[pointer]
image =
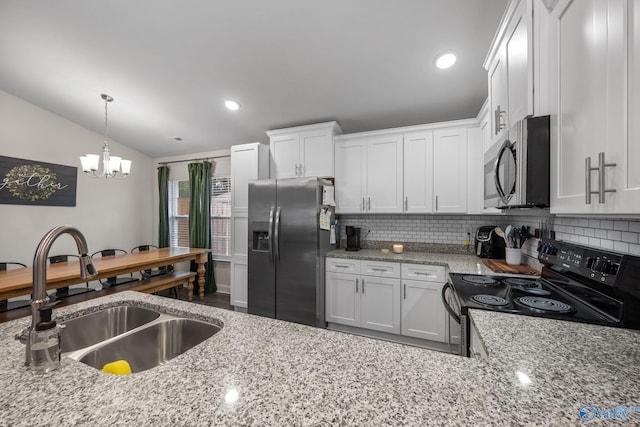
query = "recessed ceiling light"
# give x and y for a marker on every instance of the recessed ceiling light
(231, 105)
(445, 60)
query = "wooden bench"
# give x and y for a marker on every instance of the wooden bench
(166, 281)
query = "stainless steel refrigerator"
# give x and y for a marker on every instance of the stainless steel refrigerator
(287, 249)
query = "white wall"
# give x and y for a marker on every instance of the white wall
(113, 213)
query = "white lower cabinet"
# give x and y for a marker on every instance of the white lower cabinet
(402, 299)
(380, 304)
(343, 299)
(423, 315)
(371, 302)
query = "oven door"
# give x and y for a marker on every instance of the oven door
(452, 305)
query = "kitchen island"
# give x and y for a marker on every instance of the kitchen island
(290, 374)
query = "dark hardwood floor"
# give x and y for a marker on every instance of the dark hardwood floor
(215, 299)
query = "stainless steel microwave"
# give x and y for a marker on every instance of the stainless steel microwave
(516, 167)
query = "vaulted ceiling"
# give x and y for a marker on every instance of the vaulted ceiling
(170, 65)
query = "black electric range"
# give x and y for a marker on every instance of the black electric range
(577, 283)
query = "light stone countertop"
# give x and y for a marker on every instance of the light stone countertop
(290, 374)
(467, 264)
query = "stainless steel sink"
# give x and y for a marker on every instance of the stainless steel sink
(90, 329)
(153, 345)
(143, 337)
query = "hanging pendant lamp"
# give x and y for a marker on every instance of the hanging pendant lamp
(112, 166)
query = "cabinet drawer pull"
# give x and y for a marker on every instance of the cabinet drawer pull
(342, 266)
(368, 203)
(420, 273)
(406, 203)
(363, 286)
(379, 269)
(363, 207)
(356, 286)
(405, 291)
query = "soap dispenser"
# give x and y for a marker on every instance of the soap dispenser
(44, 343)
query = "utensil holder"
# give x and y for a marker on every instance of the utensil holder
(513, 256)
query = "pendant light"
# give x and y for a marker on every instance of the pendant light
(112, 166)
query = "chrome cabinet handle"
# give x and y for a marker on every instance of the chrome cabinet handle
(405, 291)
(497, 119)
(363, 208)
(301, 166)
(601, 168)
(406, 203)
(368, 203)
(363, 286)
(601, 176)
(587, 180)
(379, 269)
(297, 171)
(341, 266)
(356, 286)
(436, 203)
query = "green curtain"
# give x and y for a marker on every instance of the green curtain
(163, 206)
(200, 216)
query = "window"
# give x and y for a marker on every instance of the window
(220, 215)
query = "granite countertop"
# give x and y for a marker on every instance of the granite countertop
(457, 263)
(290, 374)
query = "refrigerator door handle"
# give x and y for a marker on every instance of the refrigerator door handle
(277, 234)
(270, 233)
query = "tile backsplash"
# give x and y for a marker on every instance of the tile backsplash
(619, 235)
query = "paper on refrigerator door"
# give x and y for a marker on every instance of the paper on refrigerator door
(325, 219)
(328, 195)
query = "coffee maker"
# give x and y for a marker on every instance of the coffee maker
(488, 243)
(353, 238)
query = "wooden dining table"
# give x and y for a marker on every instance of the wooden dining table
(18, 282)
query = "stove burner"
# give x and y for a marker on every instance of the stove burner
(491, 300)
(479, 280)
(514, 281)
(545, 304)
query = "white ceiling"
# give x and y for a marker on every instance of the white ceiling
(170, 64)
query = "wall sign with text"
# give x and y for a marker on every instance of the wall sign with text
(27, 182)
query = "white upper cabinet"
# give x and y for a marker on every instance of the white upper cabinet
(450, 170)
(369, 174)
(510, 68)
(285, 155)
(384, 174)
(418, 172)
(594, 95)
(351, 176)
(303, 150)
(418, 169)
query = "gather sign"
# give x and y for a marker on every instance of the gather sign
(28, 182)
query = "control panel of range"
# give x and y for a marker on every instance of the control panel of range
(588, 262)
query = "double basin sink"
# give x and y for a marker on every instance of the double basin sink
(145, 338)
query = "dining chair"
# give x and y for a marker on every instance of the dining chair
(6, 305)
(151, 272)
(115, 280)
